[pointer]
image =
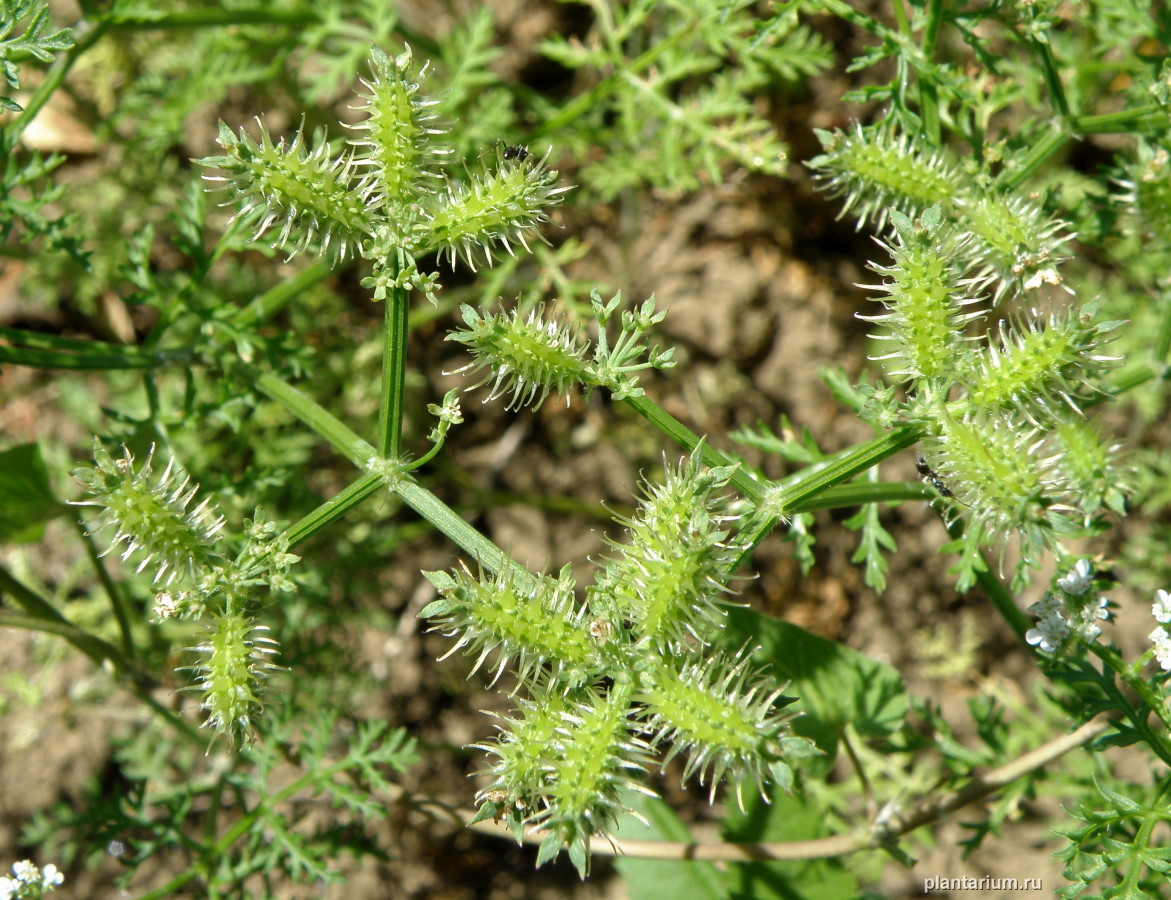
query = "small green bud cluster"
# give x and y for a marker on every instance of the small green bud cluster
(631, 669)
(384, 196)
(448, 413)
(201, 579)
(528, 357)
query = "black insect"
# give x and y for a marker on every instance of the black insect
(520, 154)
(928, 474)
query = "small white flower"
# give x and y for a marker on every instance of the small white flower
(1162, 642)
(51, 876)
(1161, 608)
(1048, 605)
(450, 412)
(28, 876)
(1088, 618)
(1077, 580)
(1051, 632)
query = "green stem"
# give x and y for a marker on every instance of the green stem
(1036, 156)
(847, 495)
(689, 440)
(1129, 379)
(797, 496)
(91, 360)
(1052, 79)
(1136, 683)
(998, 595)
(425, 503)
(931, 29)
(426, 457)
(797, 493)
(1156, 737)
(1125, 120)
(817, 486)
(273, 300)
(336, 507)
(117, 601)
(42, 616)
(809, 489)
(928, 93)
(394, 370)
(1163, 338)
(340, 437)
(453, 526)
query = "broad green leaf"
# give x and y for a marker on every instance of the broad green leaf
(26, 498)
(836, 686)
(653, 879)
(786, 818)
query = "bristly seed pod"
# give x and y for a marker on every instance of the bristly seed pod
(926, 299)
(150, 516)
(531, 628)
(996, 468)
(877, 171)
(231, 673)
(304, 192)
(720, 714)
(1039, 362)
(568, 760)
(670, 578)
(1014, 241)
(398, 134)
(526, 357)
